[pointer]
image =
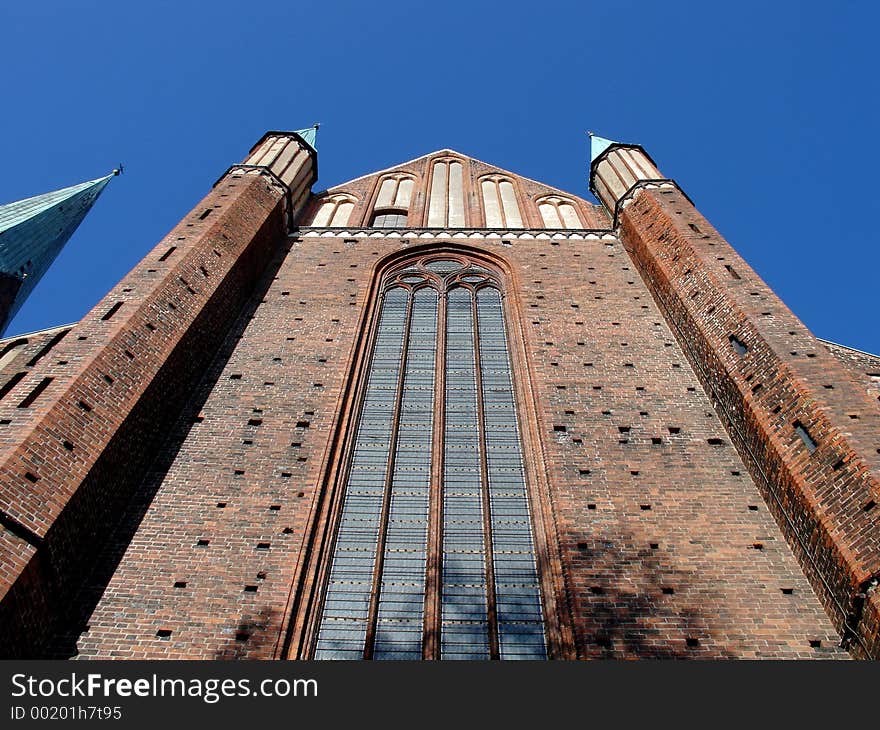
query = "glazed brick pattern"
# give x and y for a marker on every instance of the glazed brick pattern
(664, 544)
(71, 457)
(768, 375)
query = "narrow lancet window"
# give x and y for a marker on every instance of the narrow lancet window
(499, 202)
(446, 203)
(334, 212)
(559, 212)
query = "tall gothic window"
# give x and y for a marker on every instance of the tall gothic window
(434, 554)
(499, 202)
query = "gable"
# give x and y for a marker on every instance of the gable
(446, 189)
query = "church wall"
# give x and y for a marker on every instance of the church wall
(80, 428)
(807, 426)
(663, 549)
(170, 470)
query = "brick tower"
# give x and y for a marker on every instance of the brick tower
(439, 411)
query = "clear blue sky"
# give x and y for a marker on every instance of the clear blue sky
(765, 112)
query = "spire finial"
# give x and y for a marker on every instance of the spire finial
(598, 145)
(309, 134)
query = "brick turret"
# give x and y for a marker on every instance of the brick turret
(80, 429)
(807, 429)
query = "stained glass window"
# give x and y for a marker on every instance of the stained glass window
(435, 495)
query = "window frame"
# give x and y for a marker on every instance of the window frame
(557, 631)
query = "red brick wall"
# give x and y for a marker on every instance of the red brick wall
(665, 549)
(199, 484)
(71, 459)
(825, 500)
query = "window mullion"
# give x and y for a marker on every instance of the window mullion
(491, 605)
(372, 615)
(434, 568)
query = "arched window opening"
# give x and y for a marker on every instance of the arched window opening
(334, 212)
(559, 212)
(446, 201)
(434, 555)
(499, 202)
(395, 192)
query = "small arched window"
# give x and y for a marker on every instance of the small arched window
(499, 202)
(334, 211)
(395, 192)
(446, 200)
(434, 553)
(558, 212)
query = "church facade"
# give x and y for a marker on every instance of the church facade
(441, 411)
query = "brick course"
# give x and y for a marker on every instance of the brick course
(823, 494)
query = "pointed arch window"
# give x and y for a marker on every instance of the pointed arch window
(499, 202)
(334, 212)
(446, 201)
(395, 191)
(558, 212)
(434, 555)
(391, 208)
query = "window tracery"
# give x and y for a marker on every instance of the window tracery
(434, 534)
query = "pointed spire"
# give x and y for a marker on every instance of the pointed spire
(310, 135)
(598, 145)
(34, 230)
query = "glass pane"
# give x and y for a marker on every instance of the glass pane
(517, 592)
(443, 266)
(465, 630)
(402, 595)
(464, 593)
(343, 623)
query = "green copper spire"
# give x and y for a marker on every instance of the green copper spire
(32, 233)
(310, 135)
(598, 145)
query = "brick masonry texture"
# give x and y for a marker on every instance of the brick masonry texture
(202, 477)
(602, 363)
(806, 425)
(72, 456)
